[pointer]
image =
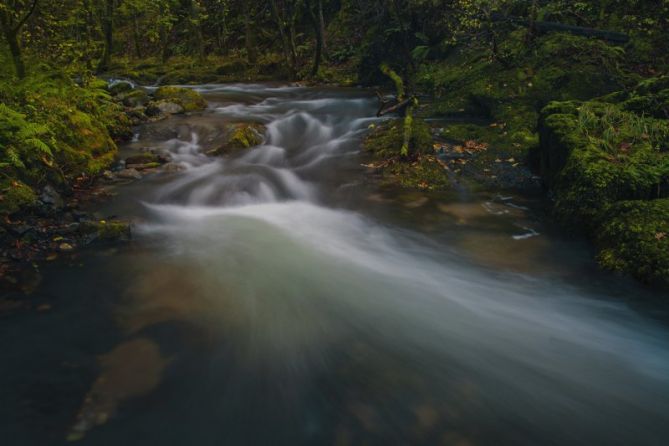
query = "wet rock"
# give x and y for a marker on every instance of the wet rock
(173, 167)
(187, 99)
(135, 98)
(144, 158)
(164, 108)
(137, 115)
(51, 198)
(130, 174)
(106, 231)
(118, 87)
(240, 136)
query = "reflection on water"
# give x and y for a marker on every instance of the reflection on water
(274, 298)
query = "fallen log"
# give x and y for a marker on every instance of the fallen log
(611, 36)
(399, 107)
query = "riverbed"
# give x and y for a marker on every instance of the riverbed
(281, 296)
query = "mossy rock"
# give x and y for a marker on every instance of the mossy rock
(135, 98)
(634, 238)
(240, 136)
(106, 231)
(89, 147)
(143, 158)
(120, 87)
(15, 196)
(594, 154)
(187, 98)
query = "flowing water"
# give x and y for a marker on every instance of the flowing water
(279, 297)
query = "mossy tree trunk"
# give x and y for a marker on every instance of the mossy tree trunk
(408, 111)
(321, 24)
(11, 23)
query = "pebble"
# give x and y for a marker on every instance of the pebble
(132, 174)
(65, 247)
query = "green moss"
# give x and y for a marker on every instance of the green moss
(420, 170)
(387, 139)
(240, 136)
(135, 97)
(244, 136)
(189, 99)
(608, 167)
(510, 88)
(634, 237)
(52, 131)
(106, 230)
(15, 196)
(424, 173)
(596, 154)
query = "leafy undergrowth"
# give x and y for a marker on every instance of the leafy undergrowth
(53, 131)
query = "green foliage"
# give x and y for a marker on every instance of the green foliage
(634, 237)
(14, 196)
(386, 140)
(53, 131)
(22, 143)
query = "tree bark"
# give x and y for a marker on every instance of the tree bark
(11, 31)
(15, 49)
(318, 54)
(108, 31)
(249, 36)
(321, 24)
(282, 34)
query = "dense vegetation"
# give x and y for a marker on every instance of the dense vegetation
(553, 83)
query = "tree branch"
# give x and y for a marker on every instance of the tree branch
(22, 22)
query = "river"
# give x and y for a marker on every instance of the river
(281, 297)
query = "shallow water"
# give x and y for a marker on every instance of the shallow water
(278, 297)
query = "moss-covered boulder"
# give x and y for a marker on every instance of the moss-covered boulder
(594, 154)
(187, 98)
(240, 136)
(607, 164)
(135, 98)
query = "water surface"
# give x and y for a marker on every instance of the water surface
(280, 297)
